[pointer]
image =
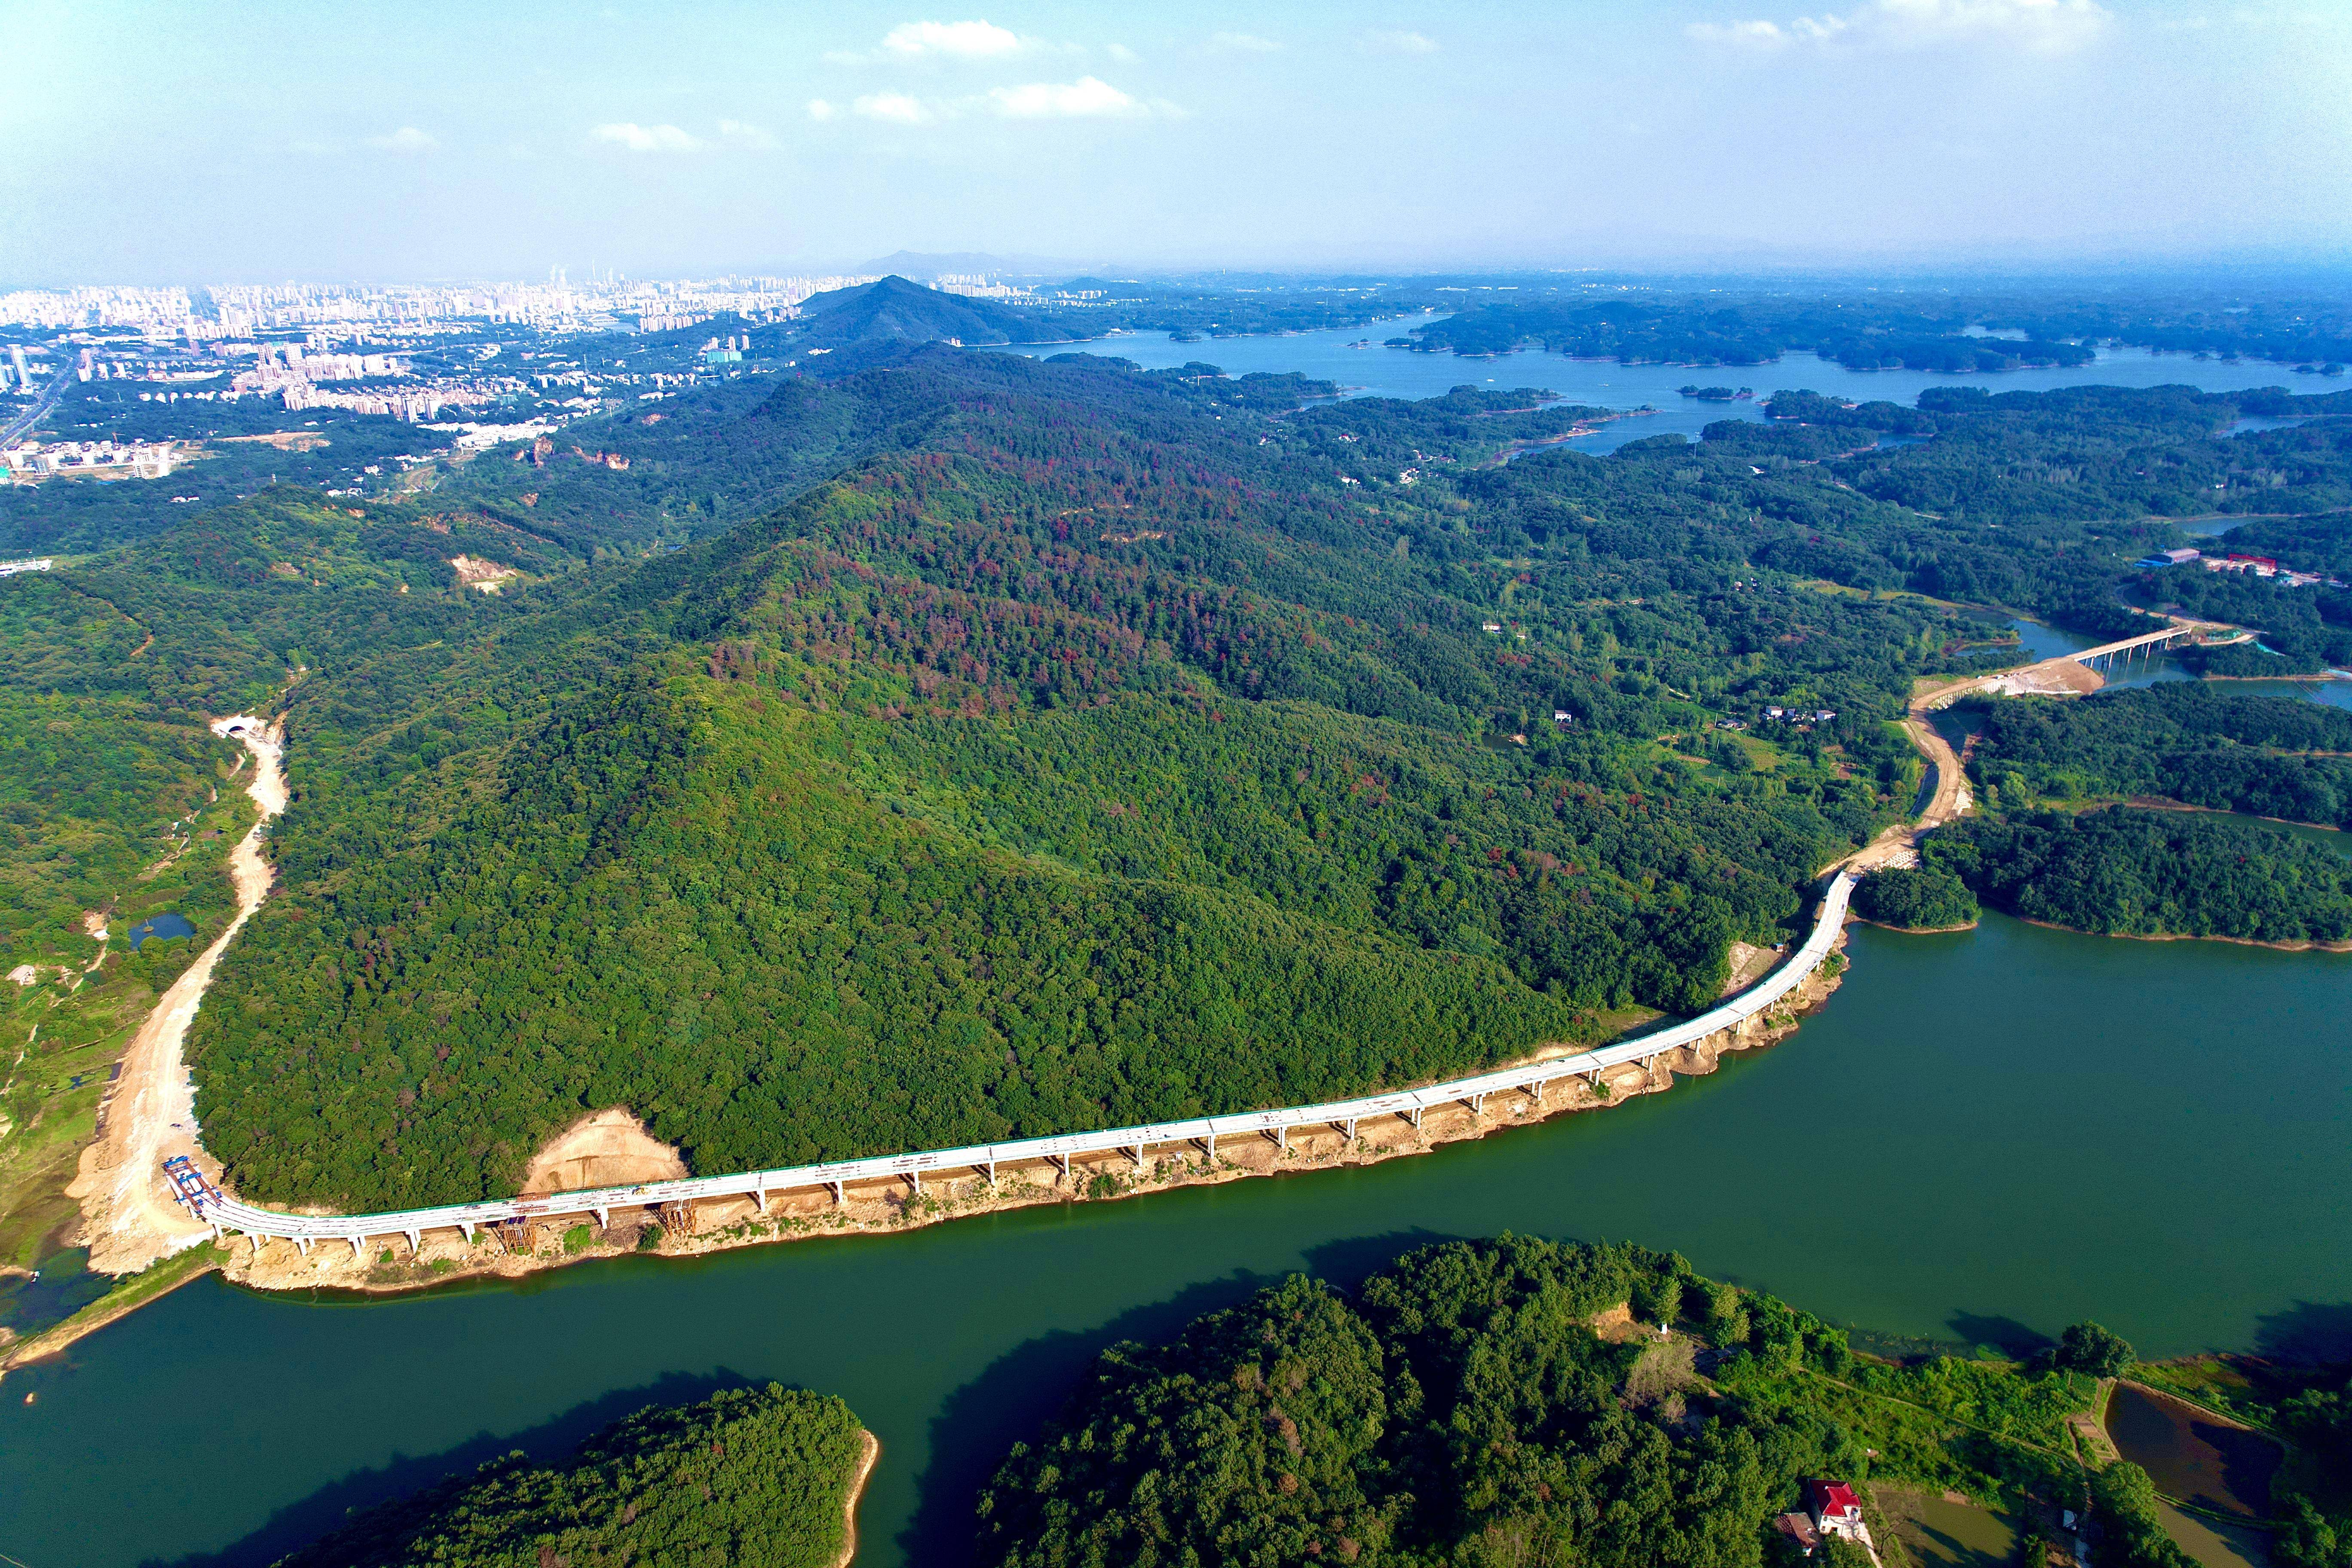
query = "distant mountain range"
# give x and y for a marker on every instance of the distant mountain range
(933, 263)
(895, 311)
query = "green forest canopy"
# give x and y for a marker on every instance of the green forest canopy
(1462, 1407)
(1065, 745)
(2128, 872)
(747, 1475)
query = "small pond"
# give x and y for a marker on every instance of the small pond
(164, 927)
(1942, 1534)
(2191, 1454)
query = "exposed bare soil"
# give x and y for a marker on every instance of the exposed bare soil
(869, 1450)
(608, 1149)
(129, 1218)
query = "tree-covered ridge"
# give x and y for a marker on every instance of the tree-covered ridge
(2127, 872)
(749, 1476)
(682, 904)
(1074, 746)
(1462, 1407)
(2262, 755)
(716, 887)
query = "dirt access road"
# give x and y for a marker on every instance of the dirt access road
(2065, 676)
(129, 1219)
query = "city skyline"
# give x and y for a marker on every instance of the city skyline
(713, 139)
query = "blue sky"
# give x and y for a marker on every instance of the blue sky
(198, 142)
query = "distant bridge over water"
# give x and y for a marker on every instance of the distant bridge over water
(225, 1214)
(2146, 646)
(2060, 677)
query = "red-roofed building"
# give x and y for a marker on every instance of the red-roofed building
(1799, 1530)
(1836, 1509)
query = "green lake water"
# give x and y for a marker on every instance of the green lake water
(1983, 1137)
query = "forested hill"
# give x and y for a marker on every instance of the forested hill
(1485, 1402)
(895, 310)
(1078, 746)
(749, 1476)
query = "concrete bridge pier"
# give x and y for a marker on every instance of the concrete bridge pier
(467, 1227)
(415, 1242)
(758, 1201)
(1349, 1126)
(1477, 1105)
(1210, 1145)
(1412, 1114)
(839, 1197)
(357, 1251)
(991, 1175)
(916, 1177)
(1136, 1150)
(1282, 1137)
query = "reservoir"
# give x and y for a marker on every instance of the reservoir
(1377, 372)
(1983, 1137)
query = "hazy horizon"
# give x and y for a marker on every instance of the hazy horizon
(174, 144)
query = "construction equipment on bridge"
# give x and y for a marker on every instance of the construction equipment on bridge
(189, 1188)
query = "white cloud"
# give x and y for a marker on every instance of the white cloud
(895, 106)
(1242, 43)
(1400, 42)
(1122, 54)
(1761, 36)
(968, 40)
(2037, 27)
(818, 109)
(637, 138)
(750, 138)
(1088, 95)
(407, 139)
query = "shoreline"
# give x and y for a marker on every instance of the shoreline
(869, 1454)
(2162, 803)
(108, 1310)
(2189, 936)
(1924, 931)
(729, 1226)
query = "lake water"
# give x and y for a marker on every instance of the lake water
(1984, 1137)
(1399, 373)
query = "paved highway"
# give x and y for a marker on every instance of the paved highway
(229, 1213)
(40, 408)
